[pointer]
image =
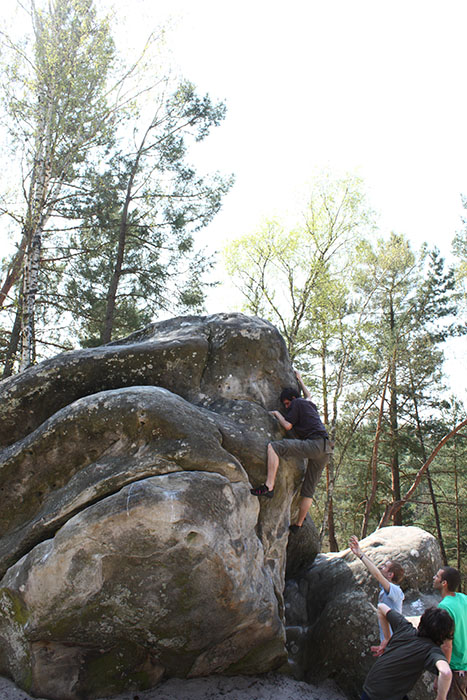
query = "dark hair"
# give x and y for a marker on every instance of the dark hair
(288, 394)
(437, 625)
(452, 577)
(397, 570)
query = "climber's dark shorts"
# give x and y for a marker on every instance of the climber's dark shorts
(317, 452)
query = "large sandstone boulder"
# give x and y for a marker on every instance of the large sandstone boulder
(331, 613)
(131, 548)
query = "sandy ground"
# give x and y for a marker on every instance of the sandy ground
(269, 687)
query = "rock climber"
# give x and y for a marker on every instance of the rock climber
(311, 441)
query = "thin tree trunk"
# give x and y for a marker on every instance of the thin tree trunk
(436, 514)
(109, 319)
(31, 279)
(458, 524)
(107, 328)
(38, 192)
(428, 475)
(374, 462)
(395, 474)
(14, 270)
(14, 341)
(324, 383)
(393, 422)
(333, 545)
(34, 221)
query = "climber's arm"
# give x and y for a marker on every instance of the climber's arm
(285, 424)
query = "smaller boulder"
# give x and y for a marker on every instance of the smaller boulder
(330, 607)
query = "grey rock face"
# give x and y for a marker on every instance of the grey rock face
(331, 613)
(132, 548)
(302, 549)
(205, 360)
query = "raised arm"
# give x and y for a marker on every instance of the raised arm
(374, 571)
(444, 679)
(306, 393)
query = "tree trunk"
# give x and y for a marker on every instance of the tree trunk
(395, 474)
(30, 287)
(393, 424)
(14, 341)
(374, 462)
(36, 217)
(428, 475)
(333, 545)
(106, 335)
(107, 328)
(458, 524)
(14, 270)
(324, 384)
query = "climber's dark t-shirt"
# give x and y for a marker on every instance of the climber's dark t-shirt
(305, 419)
(406, 656)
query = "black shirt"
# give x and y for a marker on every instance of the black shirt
(406, 656)
(305, 419)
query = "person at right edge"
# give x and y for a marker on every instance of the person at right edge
(447, 581)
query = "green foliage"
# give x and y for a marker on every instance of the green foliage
(60, 105)
(114, 223)
(143, 212)
(358, 315)
(286, 276)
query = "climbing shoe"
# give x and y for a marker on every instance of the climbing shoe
(262, 491)
(295, 528)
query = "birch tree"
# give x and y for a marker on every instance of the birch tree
(59, 114)
(142, 238)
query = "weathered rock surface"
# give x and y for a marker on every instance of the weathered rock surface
(330, 608)
(206, 360)
(131, 548)
(302, 549)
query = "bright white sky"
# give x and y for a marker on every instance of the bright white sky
(370, 87)
(367, 86)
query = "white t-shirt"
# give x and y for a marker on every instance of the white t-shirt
(393, 598)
